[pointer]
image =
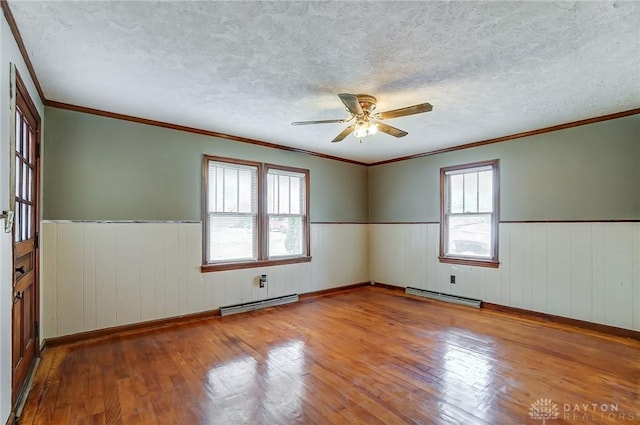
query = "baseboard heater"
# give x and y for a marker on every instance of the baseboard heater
(471, 302)
(256, 305)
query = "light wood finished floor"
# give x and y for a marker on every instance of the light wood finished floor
(367, 356)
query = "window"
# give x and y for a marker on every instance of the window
(469, 216)
(286, 211)
(232, 205)
(254, 214)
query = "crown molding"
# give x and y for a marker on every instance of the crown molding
(513, 136)
(163, 124)
(23, 50)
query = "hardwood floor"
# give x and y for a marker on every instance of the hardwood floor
(367, 356)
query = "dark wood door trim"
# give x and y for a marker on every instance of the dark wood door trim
(25, 245)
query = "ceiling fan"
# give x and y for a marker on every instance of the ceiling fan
(361, 107)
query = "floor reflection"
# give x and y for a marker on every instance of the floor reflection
(244, 391)
(228, 386)
(467, 374)
(285, 389)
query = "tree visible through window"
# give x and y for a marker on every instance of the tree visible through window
(469, 214)
(254, 214)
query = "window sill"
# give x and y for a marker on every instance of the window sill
(206, 268)
(470, 262)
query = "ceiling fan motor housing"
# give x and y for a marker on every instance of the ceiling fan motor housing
(367, 103)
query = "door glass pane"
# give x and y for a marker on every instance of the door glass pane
(18, 173)
(25, 138)
(16, 223)
(25, 171)
(470, 235)
(29, 223)
(30, 185)
(18, 137)
(23, 224)
(32, 147)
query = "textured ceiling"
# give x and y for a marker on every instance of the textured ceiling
(250, 68)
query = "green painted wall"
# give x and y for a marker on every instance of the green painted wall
(99, 168)
(590, 172)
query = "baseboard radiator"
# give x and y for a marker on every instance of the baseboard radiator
(256, 305)
(471, 302)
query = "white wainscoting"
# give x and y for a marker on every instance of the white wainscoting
(97, 275)
(586, 271)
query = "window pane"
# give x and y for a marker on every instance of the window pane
(485, 191)
(232, 237)
(470, 192)
(296, 198)
(283, 188)
(285, 235)
(245, 198)
(455, 193)
(285, 192)
(230, 190)
(470, 235)
(271, 193)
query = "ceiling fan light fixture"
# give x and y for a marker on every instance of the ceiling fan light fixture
(365, 128)
(360, 133)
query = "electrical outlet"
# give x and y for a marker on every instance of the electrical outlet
(452, 279)
(263, 280)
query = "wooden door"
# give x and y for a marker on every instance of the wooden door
(25, 339)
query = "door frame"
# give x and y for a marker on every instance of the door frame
(20, 96)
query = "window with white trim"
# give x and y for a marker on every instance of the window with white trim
(254, 214)
(469, 214)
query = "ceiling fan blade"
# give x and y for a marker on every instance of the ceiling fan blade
(347, 131)
(318, 122)
(395, 132)
(409, 110)
(352, 104)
